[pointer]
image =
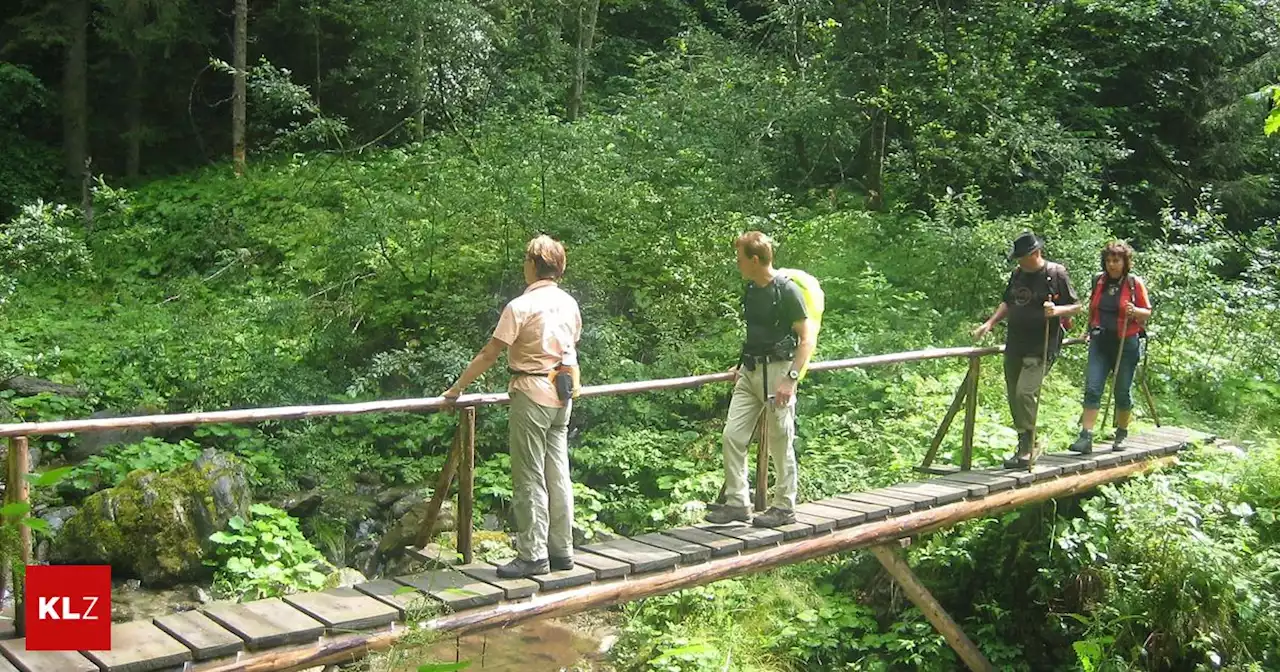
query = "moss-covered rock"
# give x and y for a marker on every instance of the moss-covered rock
(156, 526)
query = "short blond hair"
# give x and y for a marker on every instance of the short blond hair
(547, 255)
(755, 244)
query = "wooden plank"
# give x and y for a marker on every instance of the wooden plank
(1022, 476)
(1070, 464)
(1107, 459)
(578, 576)
(920, 499)
(941, 492)
(344, 609)
(514, 589)
(139, 646)
(265, 624)
(871, 511)
(201, 634)
(965, 490)
(407, 600)
(689, 552)
(455, 589)
(991, 482)
(820, 524)
(719, 544)
(1151, 444)
(893, 504)
(916, 500)
(642, 558)
(841, 517)
(44, 661)
(753, 537)
(796, 530)
(605, 568)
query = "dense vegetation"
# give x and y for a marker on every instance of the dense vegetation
(402, 151)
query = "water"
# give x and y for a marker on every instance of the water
(539, 646)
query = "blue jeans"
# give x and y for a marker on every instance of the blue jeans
(1102, 359)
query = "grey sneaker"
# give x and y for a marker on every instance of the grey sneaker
(728, 514)
(521, 568)
(561, 564)
(1121, 435)
(774, 517)
(1083, 443)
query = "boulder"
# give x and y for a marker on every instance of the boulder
(156, 526)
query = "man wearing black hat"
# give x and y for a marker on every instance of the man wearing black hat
(1039, 294)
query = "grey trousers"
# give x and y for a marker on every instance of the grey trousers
(1023, 376)
(748, 402)
(543, 497)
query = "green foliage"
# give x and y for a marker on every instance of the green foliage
(265, 556)
(109, 468)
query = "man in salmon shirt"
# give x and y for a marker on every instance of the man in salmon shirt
(540, 330)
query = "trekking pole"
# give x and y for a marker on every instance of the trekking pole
(1035, 419)
(1115, 371)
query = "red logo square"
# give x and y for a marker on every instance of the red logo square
(68, 608)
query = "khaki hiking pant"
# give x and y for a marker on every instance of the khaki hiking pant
(1023, 376)
(543, 498)
(749, 401)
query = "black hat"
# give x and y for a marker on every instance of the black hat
(1025, 244)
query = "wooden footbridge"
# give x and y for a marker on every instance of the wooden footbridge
(342, 625)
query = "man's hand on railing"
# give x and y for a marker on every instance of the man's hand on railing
(734, 370)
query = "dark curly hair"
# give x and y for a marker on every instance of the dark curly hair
(1117, 248)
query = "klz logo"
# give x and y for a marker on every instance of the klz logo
(68, 608)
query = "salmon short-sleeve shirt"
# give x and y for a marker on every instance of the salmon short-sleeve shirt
(541, 328)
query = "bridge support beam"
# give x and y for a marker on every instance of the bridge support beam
(929, 606)
(608, 593)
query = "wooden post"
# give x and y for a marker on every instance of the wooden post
(962, 392)
(1146, 392)
(466, 482)
(441, 490)
(16, 490)
(932, 610)
(970, 413)
(762, 460)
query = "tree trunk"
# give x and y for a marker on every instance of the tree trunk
(586, 40)
(133, 157)
(420, 76)
(75, 89)
(239, 59)
(135, 18)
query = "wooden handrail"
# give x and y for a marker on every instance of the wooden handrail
(252, 415)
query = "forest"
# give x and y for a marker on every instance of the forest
(215, 205)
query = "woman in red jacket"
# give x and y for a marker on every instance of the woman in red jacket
(1118, 310)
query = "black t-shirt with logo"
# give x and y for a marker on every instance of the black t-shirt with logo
(769, 312)
(1109, 306)
(1025, 296)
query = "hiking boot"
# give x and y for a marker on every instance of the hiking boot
(774, 517)
(728, 514)
(1022, 458)
(561, 564)
(519, 568)
(1121, 435)
(1083, 443)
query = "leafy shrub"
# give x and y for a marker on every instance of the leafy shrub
(265, 556)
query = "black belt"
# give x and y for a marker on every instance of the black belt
(531, 374)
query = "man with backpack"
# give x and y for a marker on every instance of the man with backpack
(1036, 298)
(782, 330)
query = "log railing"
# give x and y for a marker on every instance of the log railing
(461, 459)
